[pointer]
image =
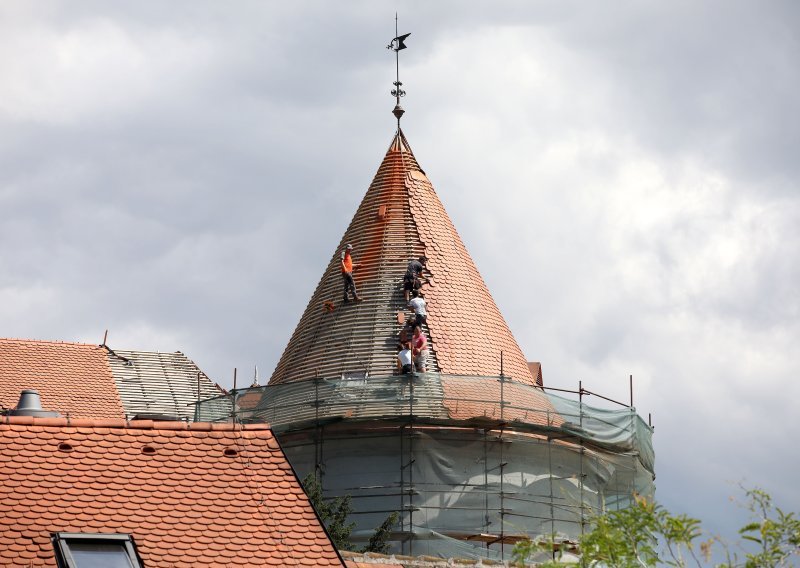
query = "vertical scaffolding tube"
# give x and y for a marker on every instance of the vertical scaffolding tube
(502, 462)
(502, 495)
(402, 490)
(411, 466)
(486, 481)
(552, 507)
(631, 387)
(582, 453)
(317, 435)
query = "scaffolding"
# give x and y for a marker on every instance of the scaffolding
(472, 464)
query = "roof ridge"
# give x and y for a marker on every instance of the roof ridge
(122, 424)
(149, 351)
(49, 341)
(82, 344)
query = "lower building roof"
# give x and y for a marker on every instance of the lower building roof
(151, 382)
(190, 494)
(94, 381)
(73, 378)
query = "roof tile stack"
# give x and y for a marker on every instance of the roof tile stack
(151, 382)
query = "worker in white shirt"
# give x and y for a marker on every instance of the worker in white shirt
(417, 303)
(404, 359)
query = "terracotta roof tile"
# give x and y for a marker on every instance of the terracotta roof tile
(362, 336)
(536, 372)
(72, 378)
(467, 333)
(187, 503)
(92, 381)
(466, 398)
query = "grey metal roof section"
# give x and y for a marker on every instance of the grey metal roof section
(159, 383)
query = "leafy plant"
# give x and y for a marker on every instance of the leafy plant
(334, 513)
(379, 541)
(645, 534)
(642, 535)
(776, 532)
(524, 550)
(630, 537)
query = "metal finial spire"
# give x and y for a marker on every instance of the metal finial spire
(397, 44)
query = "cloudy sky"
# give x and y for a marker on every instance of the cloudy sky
(626, 176)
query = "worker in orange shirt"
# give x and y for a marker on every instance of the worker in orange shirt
(347, 273)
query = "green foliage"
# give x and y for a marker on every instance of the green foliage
(630, 537)
(524, 550)
(334, 513)
(646, 534)
(776, 533)
(379, 541)
(642, 535)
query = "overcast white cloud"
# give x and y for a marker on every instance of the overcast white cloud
(624, 174)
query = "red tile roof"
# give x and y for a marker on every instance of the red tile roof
(466, 328)
(72, 378)
(190, 494)
(401, 218)
(536, 372)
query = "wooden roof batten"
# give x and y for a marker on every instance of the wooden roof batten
(401, 218)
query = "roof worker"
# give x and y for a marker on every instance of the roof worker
(417, 303)
(347, 273)
(420, 350)
(406, 332)
(411, 280)
(404, 359)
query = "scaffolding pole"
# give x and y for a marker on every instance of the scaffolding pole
(411, 464)
(582, 453)
(317, 434)
(502, 462)
(487, 522)
(552, 504)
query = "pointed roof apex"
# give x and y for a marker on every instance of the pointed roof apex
(400, 219)
(400, 143)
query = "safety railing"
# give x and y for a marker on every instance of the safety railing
(434, 398)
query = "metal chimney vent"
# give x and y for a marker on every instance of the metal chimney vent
(30, 404)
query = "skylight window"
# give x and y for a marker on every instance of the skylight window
(83, 550)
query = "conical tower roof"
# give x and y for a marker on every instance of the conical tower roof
(399, 219)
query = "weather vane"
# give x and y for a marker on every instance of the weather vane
(397, 44)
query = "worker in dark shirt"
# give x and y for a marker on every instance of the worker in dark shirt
(411, 280)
